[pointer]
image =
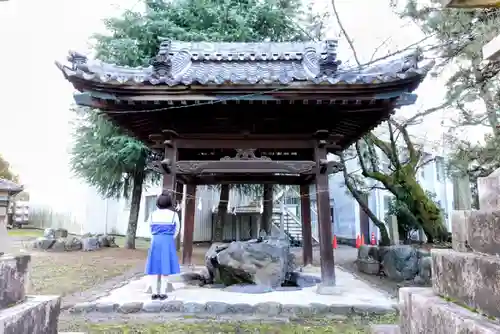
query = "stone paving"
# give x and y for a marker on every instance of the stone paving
(353, 296)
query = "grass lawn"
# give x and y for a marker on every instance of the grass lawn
(310, 325)
(26, 232)
(66, 273)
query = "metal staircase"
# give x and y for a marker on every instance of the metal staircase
(292, 223)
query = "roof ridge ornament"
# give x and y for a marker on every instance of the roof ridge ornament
(328, 63)
(162, 62)
(77, 60)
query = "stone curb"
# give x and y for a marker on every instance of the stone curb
(218, 308)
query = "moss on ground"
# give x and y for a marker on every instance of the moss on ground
(308, 325)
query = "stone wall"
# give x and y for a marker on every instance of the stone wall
(465, 293)
(20, 313)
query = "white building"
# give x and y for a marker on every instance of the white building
(99, 215)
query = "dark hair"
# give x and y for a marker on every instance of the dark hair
(164, 201)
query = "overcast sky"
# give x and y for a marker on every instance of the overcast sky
(35, 120)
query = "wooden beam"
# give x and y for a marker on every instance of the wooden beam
(247, 179)
(276, 143)
(263, 166)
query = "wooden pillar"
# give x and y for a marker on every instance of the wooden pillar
(324, 221)
(305, 210)
(179, 192)
(168, 166)
(189, 223)
(267, 209)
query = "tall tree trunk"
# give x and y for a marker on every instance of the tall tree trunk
(220, 222)
(385, 240)
(404, 185)
(267, 209)
(135, 205)
(426, 211)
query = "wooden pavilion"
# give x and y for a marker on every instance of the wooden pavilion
(258, 113)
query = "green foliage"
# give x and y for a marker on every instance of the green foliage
(407, 221)
(105, 157)
(112, 161)
(6, 171)
(459, 36)
(133, 38)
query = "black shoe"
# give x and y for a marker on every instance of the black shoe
(163, 297)
(155, 297)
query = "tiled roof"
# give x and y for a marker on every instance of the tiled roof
(6, 185)
(185, 63)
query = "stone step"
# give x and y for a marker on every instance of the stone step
(467, 278)
(37, 315)
(483, 231)
(13, 279)
(271, 309)
(385, 329)
(422, 311)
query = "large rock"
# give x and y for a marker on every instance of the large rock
(72, 243)
(368, 252)
(13, 279)
(61, 233)
(424, 271)
(423, 312)
(261, 262)
(90, 244)
(368, 260)
(43, 243)
(483, 229)
(468, 278)
(107, 241)
(400, 263)
(49, 233)
(67, 244)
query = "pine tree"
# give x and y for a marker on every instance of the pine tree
(115, 163)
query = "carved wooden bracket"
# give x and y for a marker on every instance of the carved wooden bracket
(329, 167)
(166, 165)
(245, 167)
(326, 139)
(246, 154)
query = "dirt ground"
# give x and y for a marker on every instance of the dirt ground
(73, 272)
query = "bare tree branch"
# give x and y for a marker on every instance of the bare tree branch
(378, 47)
(414, 156)
(415, 118)
(394, 149)
(344, 32)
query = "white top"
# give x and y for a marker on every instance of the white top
(162, 220)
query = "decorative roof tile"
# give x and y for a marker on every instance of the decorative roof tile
(187, 63)
(9, 186)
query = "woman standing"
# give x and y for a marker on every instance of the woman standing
(162, 257)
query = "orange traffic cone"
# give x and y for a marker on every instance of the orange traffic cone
(334, 243)
(358, 241)
(362, 239)
(373, 242)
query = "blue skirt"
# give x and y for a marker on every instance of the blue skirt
(162, 256)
